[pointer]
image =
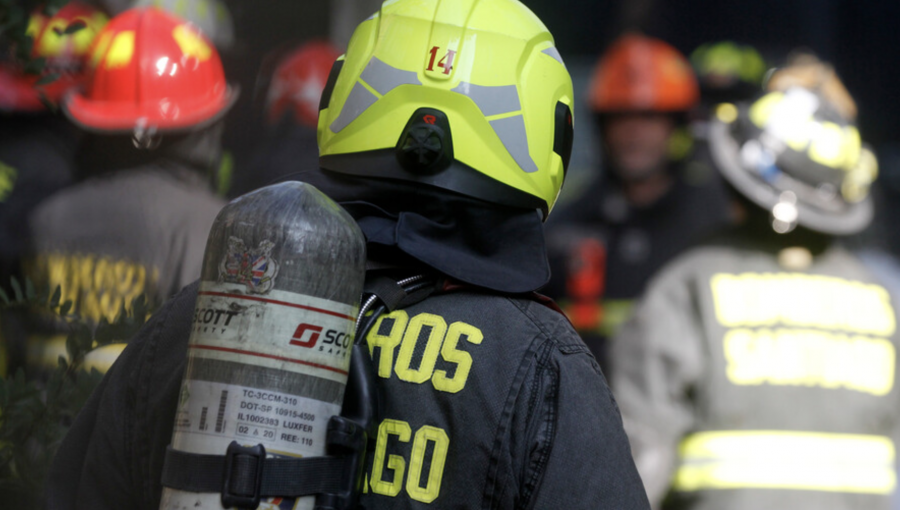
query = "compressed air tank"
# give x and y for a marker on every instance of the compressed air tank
(273, 329)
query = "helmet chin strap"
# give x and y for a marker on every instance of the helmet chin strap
(145, 137)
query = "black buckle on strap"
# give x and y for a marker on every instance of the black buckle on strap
(242, 478)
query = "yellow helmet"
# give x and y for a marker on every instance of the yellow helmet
(470, 96)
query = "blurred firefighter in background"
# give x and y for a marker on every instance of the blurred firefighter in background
(759, 369)
(214, 19)
(291, 114)
(37, 145)
(136, 223)
(728, 72)
(644, 209)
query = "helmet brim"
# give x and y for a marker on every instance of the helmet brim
(108, 117)
(850, 218)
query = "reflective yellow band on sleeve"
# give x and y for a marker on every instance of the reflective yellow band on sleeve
(767, 459)
(43, 354)
(102, 358)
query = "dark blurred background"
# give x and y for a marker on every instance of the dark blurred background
(862, 39)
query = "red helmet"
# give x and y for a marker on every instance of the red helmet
(62, 40)
(298, 83)
(151, 72)
(639, 73)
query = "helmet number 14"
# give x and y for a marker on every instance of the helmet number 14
(446, 62)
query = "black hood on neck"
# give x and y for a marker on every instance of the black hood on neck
(467, 239)
(100, 154)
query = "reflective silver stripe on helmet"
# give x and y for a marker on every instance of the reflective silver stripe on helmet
(359, 100)
(491, 100)
(511, 131)
(384, 78)
(553, 52)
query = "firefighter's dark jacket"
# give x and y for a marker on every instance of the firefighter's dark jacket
(533, 425)
(751, 378)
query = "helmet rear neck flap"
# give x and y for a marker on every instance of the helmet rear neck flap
(468, 96)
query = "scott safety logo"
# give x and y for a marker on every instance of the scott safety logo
(307, 335)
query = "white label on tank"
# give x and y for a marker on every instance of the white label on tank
(267, 370)
(282, 330)
(284, 423)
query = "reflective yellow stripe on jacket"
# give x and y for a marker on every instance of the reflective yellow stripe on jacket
(43, 354)
(771, 459)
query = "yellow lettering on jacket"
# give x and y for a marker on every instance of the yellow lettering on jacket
(807, 357)
(429, 335)
(799, 300)
(792, 329)
(8, 176)
(426, 471)
(99, 287)
(396, 465)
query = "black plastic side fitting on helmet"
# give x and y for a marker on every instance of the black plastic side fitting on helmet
(563, 134)
(426, 145)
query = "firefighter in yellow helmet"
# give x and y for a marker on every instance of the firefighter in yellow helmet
(759, 369)
(728, 72)
(445, 131)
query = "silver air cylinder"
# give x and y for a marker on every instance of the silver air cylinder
(273, 331)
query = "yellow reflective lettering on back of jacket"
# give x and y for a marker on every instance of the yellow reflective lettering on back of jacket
(432, 328)
(8, 176)
(389, 470)
(452, 354)
(99, 287)
(790, 357)
(789, 329)
(424, 340)
(387, 342)
(791, 299)
(395, 463)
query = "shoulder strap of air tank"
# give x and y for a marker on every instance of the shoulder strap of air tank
(397, 293)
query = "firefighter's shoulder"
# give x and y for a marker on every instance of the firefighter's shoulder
(518, 320)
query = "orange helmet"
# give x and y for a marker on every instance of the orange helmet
(639, 73)
(62, 40)
(298, 83)
(151, 71)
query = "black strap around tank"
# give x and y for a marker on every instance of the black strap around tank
(284, 477)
